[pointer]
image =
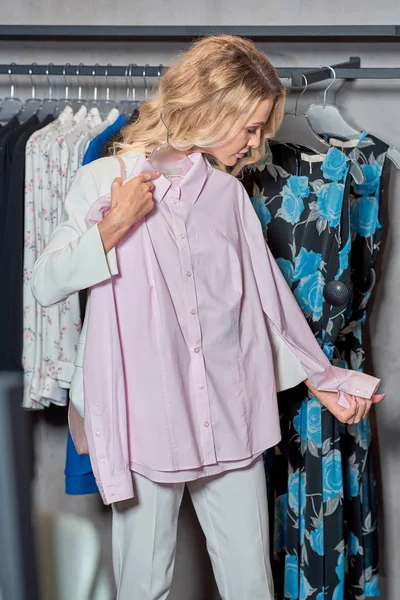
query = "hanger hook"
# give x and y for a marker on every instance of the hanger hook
(50, 88)
(146, 91)
(329, 85)
(65, 80)
(301, 93)
(12, 86)
(33, 90)
(78, 72)
(126, 82)
(131, 66)
(164, 123)
(94, 73)
(107, 86)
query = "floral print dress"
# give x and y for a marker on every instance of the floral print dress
(324, 232)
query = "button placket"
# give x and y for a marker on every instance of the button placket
(195, 339)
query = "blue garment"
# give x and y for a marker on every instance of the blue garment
(79, 478)
(93, 151)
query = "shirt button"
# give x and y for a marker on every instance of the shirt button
(201, 387)
(193, 311)
(188, 273)
(102, 462)
(358, 390)
(97, 433)
(182, 236)
(206, 424)
(197, 349)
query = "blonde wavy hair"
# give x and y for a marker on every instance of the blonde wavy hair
(211, 90)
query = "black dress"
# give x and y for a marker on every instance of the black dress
(322, 490)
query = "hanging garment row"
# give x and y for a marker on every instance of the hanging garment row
(319, 199)
(46, 154)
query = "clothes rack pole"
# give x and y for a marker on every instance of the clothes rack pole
(348, 70)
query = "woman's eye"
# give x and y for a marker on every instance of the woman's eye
(252, 131)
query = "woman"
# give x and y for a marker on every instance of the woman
(191, 326)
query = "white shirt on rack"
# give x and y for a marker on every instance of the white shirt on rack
(37, 167)
(51, 335)
(95, 131)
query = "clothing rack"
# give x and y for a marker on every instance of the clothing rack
(185, 33)
(346, 70)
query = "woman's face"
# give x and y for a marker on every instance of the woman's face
(248, 136)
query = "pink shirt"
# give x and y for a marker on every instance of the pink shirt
(178, 370)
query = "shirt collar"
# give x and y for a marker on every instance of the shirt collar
(191, 184)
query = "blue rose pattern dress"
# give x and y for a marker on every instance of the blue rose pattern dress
(323, 228)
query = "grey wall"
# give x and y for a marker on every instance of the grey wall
(370, 105)
(205, 12)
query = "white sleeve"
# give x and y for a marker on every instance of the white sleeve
(288, 368)
(74, 259)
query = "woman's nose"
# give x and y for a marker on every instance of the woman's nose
(255, 141)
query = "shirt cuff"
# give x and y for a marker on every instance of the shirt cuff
(111, 258)
(121, 488)
(356, 383)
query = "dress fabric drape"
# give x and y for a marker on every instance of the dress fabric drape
(325, 233)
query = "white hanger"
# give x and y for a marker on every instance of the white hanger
(79, 101)
(93, 102)
(49, 105)
(328, 119)
(297, 129)
(64, 102)
(393, 155)
(161, 158)
(104, 105)
(127, 106)
(32, 105)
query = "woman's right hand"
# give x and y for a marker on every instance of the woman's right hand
(130, 202)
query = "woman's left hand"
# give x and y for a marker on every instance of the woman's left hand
(357, 410)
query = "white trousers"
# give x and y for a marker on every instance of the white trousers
(233, 513)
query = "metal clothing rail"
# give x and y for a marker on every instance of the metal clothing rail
(346, 70)
(184, 33)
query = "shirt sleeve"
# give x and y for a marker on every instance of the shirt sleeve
(288, 369)
(74, 259)
(286, 318)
